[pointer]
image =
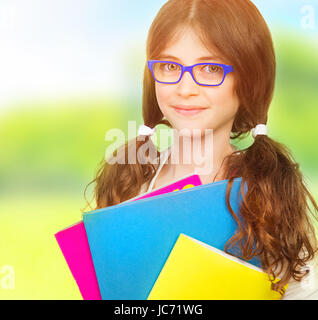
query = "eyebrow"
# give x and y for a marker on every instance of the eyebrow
(164, 56)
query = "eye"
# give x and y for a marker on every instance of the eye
(171, 66)
(212, 68)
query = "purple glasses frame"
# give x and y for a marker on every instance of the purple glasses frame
(227, 69)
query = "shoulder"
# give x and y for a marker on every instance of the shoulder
(160, 162)
(144, 188)
(307, 289)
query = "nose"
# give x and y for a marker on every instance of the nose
(187, 86)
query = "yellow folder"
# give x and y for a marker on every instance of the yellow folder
(197, 271)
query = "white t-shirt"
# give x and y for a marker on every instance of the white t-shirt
(307, 289)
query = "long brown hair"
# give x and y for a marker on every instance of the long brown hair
(276, 224)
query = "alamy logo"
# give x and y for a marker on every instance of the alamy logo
(188, 139)
(7, 17)
(7, 277)
(308, 19)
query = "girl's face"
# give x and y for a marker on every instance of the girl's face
(220, 103)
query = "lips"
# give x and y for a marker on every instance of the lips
(189, 107)
(188, 110)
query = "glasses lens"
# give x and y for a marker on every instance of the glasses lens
(209, 74)
(166, 72)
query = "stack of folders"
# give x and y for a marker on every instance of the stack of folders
(167, 245)
(75, 247)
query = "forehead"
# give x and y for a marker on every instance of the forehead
(187, 47)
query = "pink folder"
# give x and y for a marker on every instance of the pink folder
(74, 245)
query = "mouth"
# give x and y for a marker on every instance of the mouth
(188, 110)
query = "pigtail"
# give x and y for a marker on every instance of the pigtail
(276, 223)
(121, 181)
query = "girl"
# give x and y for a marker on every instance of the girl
(229, 90)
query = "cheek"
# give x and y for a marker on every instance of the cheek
(223, 97)
(163, 95)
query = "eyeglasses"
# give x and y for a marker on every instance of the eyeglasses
(204, 74)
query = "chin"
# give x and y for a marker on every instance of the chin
(187, 131)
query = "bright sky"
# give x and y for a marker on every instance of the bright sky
(73, 47)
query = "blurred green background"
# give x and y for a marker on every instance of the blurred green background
(51, 144)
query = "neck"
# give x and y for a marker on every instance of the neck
(201, 154)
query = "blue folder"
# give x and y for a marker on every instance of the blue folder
(131, 242)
